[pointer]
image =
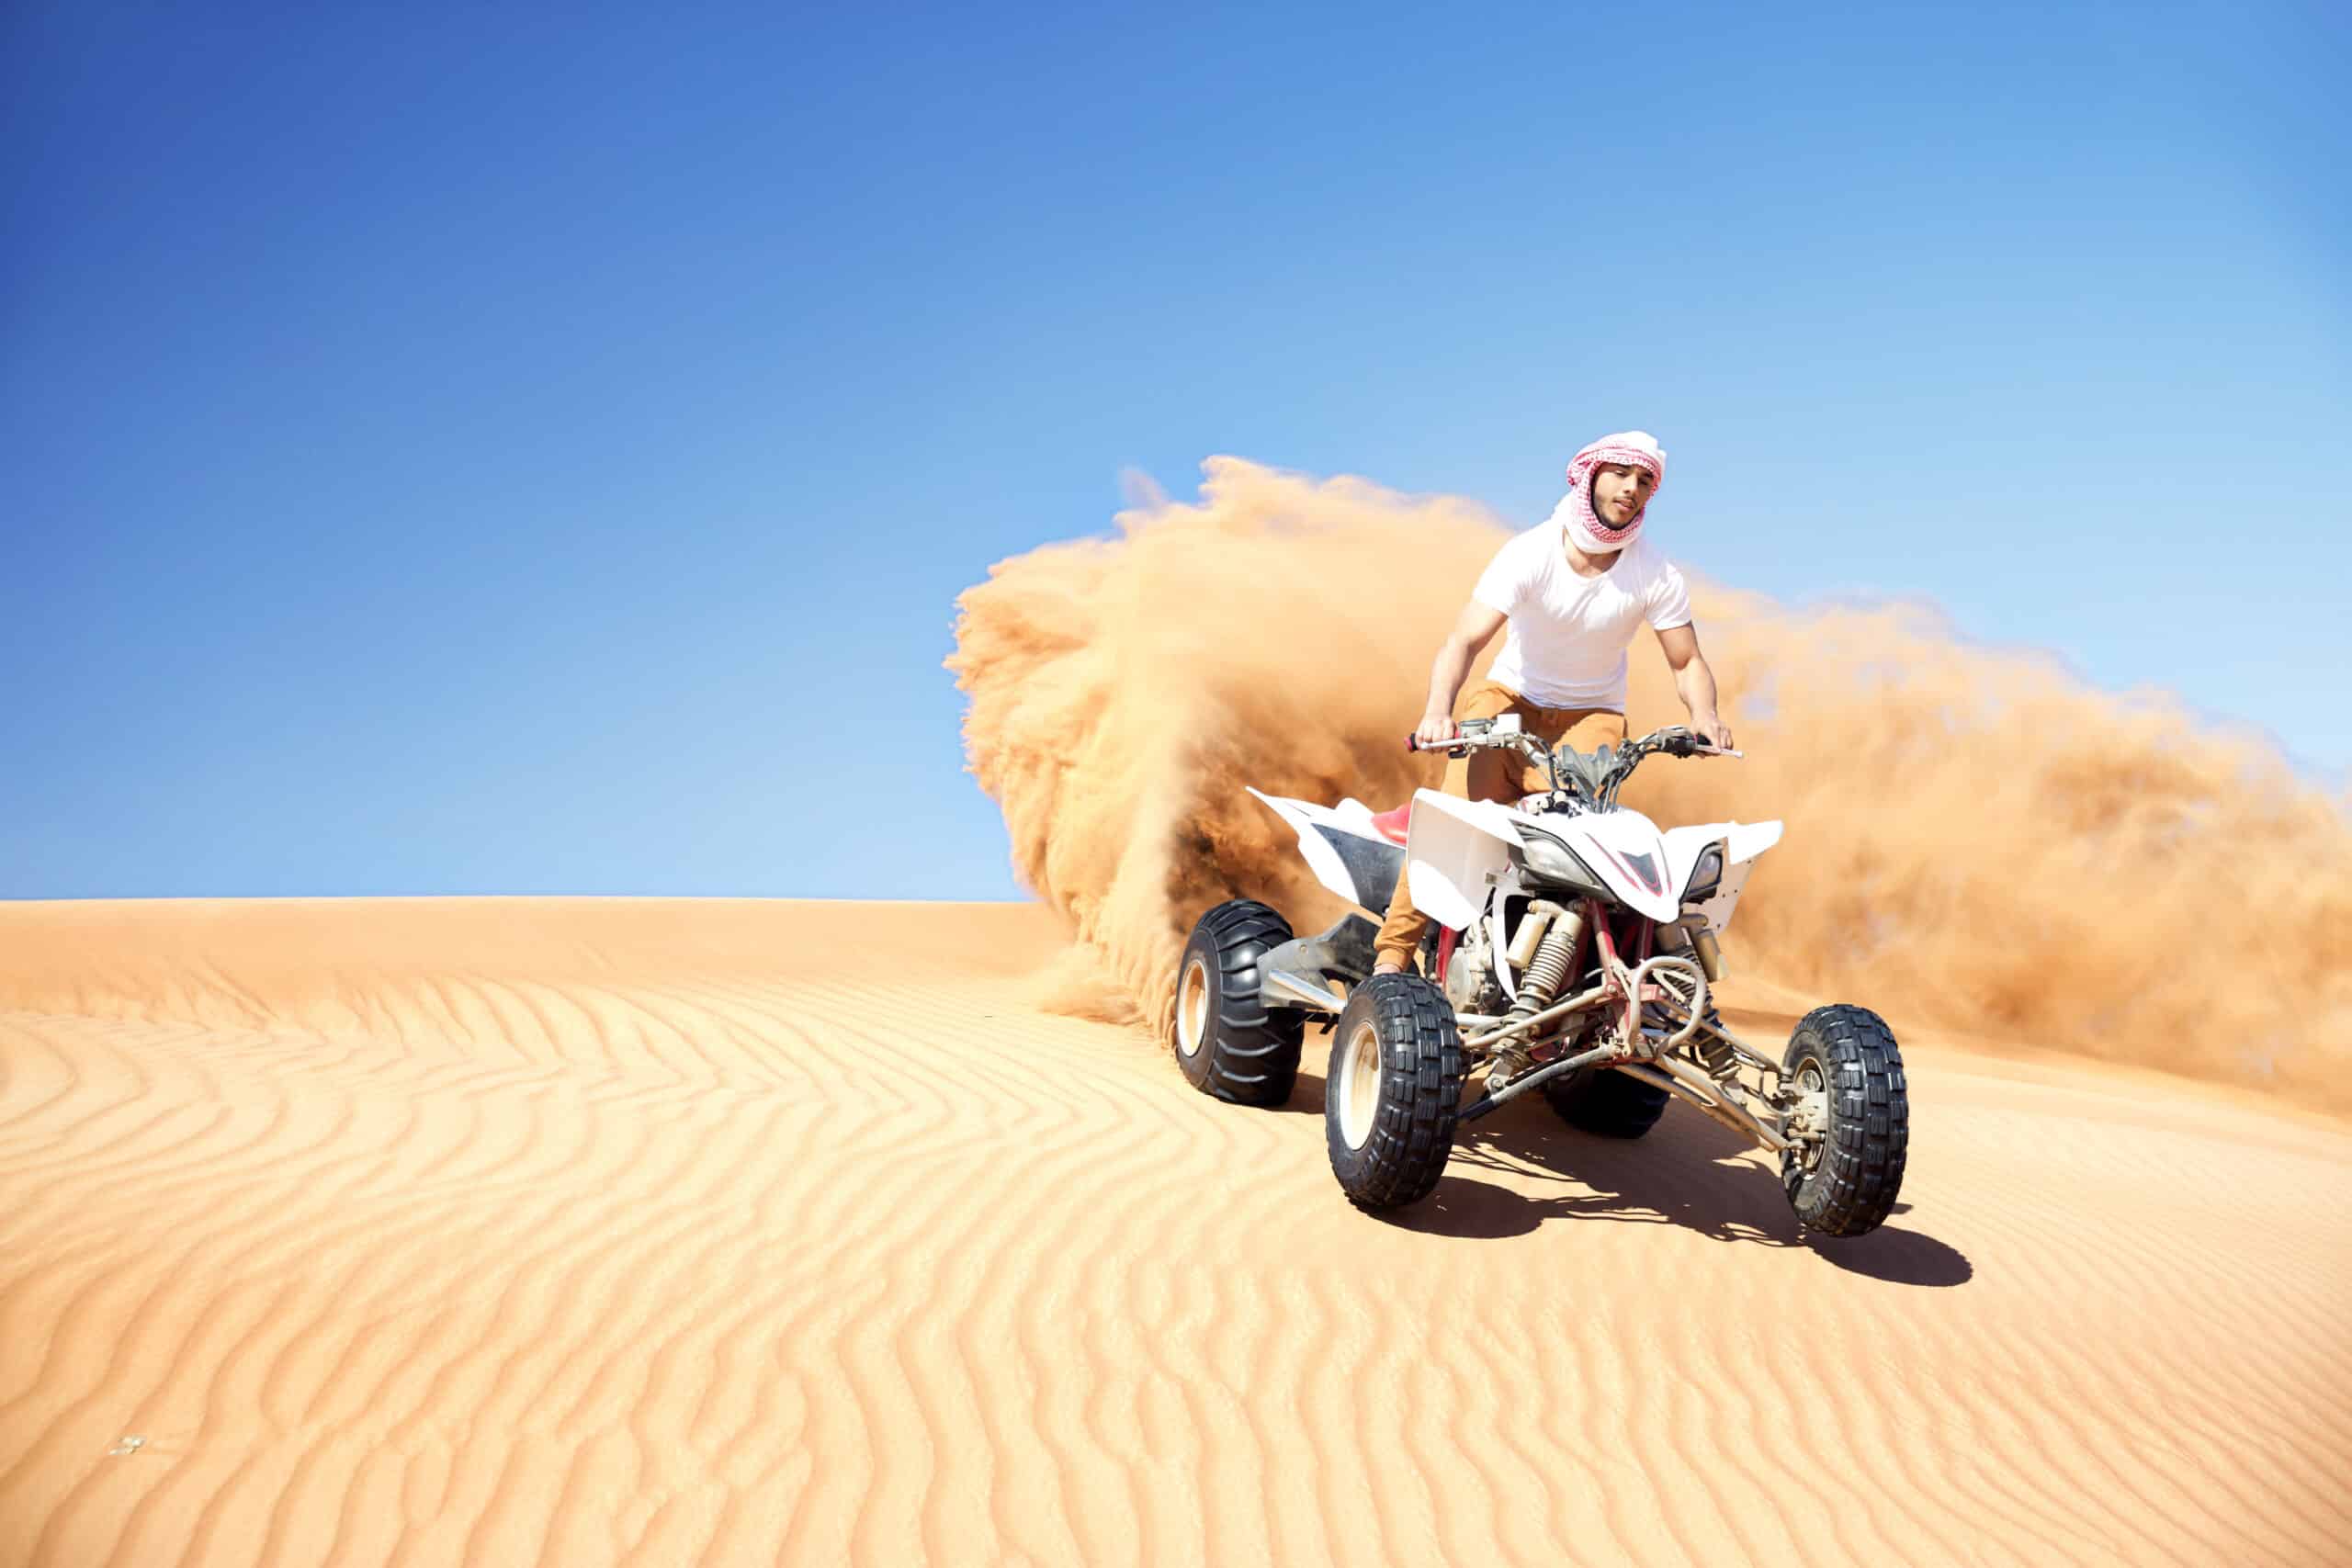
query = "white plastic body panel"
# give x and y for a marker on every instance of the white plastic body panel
(1497, 943)
(1304, 816)
(1455, 851)
(1624, 850)
(1459, 850)
(1743, 842)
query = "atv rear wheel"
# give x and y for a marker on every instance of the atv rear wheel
(1606, 1102)
(1844, 1183)
(1229, 1042)
(1394, 1090)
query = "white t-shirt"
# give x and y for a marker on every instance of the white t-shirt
(1565, 645)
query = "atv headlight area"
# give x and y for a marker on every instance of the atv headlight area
(1551, 860)
(1705, 876)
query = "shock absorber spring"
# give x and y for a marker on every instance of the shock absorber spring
(1713, 1049)
(1549, 967)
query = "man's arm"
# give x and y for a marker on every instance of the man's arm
(1694, 681)
(1472, 629)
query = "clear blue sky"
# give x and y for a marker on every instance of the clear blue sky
(514, 449)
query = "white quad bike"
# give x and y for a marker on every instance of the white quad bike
(1574, 942)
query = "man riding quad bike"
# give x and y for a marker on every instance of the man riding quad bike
(1571, 939)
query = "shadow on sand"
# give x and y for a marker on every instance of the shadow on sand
(1687, 1172)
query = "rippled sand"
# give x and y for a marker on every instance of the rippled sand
(573, 1232)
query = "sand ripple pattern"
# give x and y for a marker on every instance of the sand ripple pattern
(653, 1232)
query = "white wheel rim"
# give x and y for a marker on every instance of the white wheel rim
(1813, 1078)
(1359, 1087)
(1193, 1009)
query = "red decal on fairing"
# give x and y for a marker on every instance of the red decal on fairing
(1638, 868)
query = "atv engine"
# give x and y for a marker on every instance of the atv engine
(1470, 983)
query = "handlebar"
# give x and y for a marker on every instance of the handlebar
(1673, 741)
(1460, 743)
(1578, 773)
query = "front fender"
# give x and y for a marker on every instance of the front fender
(1742, 843)
(1453, 852)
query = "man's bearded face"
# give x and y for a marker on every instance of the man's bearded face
(1620, 490)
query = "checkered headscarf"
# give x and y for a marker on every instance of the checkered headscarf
(1638, 448)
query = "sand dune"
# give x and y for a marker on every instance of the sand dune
(595, 1231)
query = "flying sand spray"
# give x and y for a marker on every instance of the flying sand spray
(1974, 839)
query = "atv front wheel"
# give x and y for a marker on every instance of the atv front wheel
(1844, 1182)
(1605, 1102)
(1229, 1042)
(1394, 1089)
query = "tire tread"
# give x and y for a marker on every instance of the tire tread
(1253, 1050)
(1422, 1069)
(1853, 1188)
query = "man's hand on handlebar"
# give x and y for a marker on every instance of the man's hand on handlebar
(1681, 740)
(1437, 730)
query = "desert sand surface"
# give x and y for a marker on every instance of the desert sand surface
(575, 1231)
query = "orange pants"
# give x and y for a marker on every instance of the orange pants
(1495, 776)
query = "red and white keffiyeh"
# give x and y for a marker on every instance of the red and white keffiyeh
(1637, 448)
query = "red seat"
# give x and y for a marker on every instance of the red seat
(1392, 824)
